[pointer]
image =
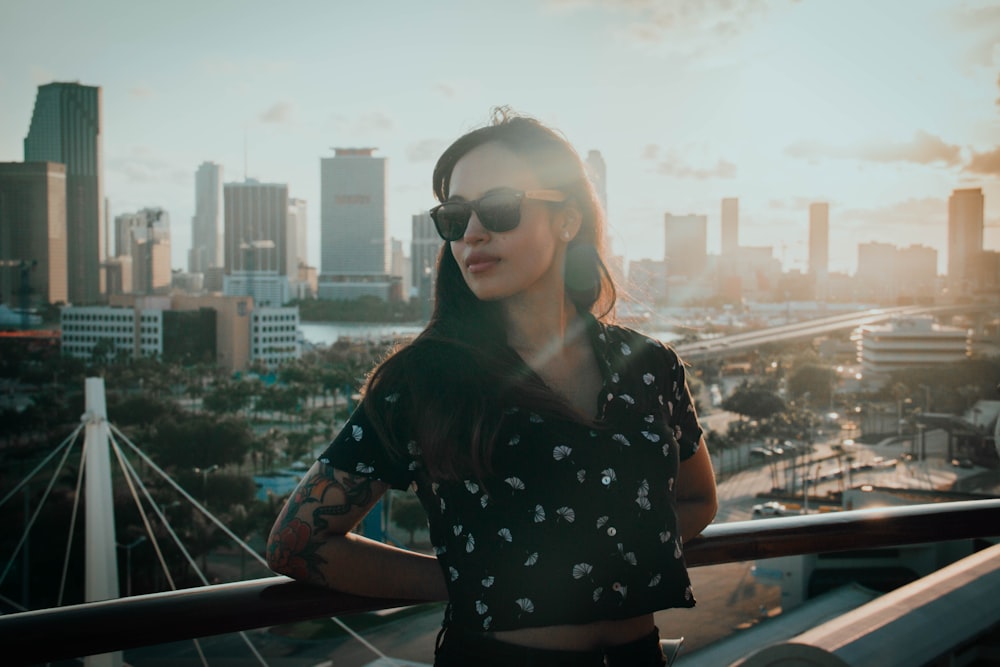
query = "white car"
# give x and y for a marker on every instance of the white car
(772, 508)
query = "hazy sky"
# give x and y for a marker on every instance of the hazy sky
(880, 107)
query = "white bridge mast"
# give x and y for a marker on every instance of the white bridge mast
(101, 557)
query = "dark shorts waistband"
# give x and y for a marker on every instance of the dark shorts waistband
(460, 647)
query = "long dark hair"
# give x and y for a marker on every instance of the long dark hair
(458, 375)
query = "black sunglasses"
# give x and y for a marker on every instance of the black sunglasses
(497, 211)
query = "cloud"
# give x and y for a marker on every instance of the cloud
(375, 121)
(226, 67)
(984, 25)
(444, 89)
(650, 151)
(998, 86)
(363, 128)
(794, 203)
(987, 163)
(425, 150)
(674, 166)
(280, 112)
(682, 25)
(924, 148)
(923, 211)
(141, 166)
(141, 92)
(41, 75)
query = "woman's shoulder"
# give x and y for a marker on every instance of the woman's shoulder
(423, 365)
(630, 342)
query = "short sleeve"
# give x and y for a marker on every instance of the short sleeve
(358, 449)
(682, 415)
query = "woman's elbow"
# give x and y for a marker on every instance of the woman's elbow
(288, 549)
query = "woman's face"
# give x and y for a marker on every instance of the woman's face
(526, 259)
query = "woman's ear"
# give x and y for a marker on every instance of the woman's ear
(570, 219)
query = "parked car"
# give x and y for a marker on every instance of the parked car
(760, 454)
(770, 508)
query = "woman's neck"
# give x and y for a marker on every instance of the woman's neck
(542, 333)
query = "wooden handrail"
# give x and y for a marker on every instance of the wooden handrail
(100, 627)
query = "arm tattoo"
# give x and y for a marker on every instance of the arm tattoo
(296, 545)
(356, 490)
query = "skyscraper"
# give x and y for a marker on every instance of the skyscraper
(32, 233)
(819, 240)
(150, 251)
(66, 127)
(353, 232)
(125, 224)
(730, 226)
(598, 173)
(965, 234)
(425, 244)
(686, 245)
(297, 234)
(206, 225)
(352, 213)
(256, 241)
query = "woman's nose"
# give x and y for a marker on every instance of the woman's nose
(474, 231)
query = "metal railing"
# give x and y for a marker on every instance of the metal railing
(144, 620)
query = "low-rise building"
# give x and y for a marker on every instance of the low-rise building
(227, 331)
(908, 342)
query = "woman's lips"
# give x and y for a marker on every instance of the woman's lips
(478, 263)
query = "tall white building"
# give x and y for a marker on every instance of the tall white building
(597, 170)
(425, 244)
(298, 239)
(206, 225)
(730, 226)
(399, 266)
(125, 224)
(142, 248)
(965, 235)
(819, 239)
(686, 245)
(256, 242)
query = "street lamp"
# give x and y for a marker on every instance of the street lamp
(128, 561)
(204, 479)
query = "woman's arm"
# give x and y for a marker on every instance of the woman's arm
(311, 541)
(696, 499)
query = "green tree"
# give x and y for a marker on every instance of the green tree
(408, 514)
(754, 401)
(200, 441)
(813, 379)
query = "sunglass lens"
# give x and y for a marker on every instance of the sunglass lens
(500, 212)
(451, 220)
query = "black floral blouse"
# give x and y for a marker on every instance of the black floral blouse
(578, 522)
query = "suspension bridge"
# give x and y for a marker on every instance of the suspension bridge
(104, 446)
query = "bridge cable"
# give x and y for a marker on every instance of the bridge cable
(72, 522)
(129, 470)
(38, 510)
(55, 451)
(364, 642)
(187, 496)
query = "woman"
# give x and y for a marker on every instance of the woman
(558, 456)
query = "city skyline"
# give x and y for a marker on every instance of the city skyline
(878, 111)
